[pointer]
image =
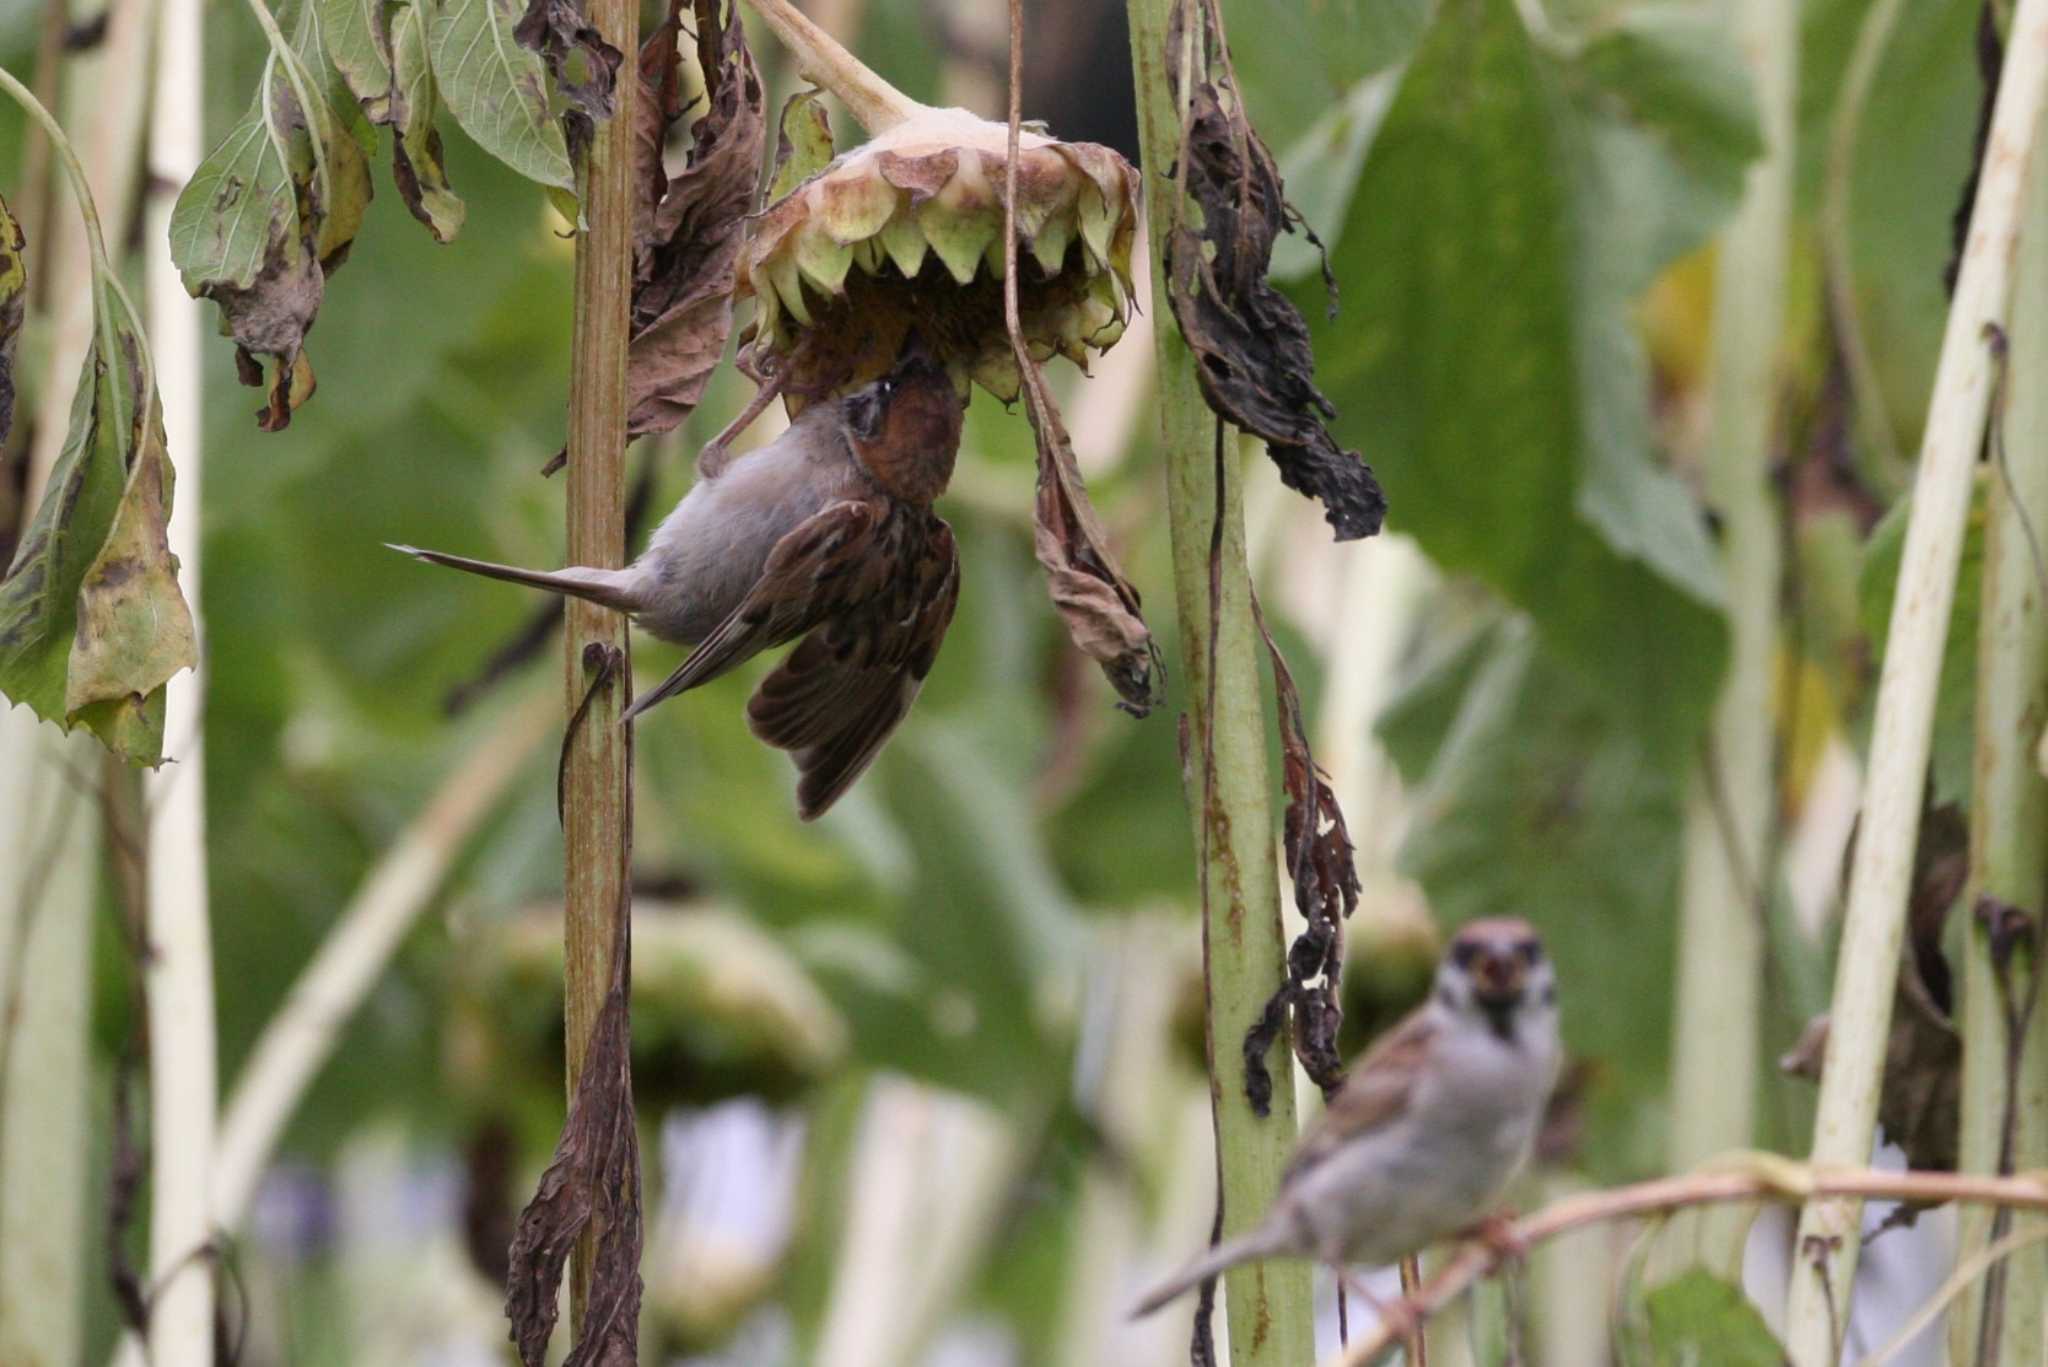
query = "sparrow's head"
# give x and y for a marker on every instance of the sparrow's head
(905, 427)
(1496, 970)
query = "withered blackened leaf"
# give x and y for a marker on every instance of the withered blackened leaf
(584, 65)
(1252, 348)
(595, 1175)
(259, 227)
(416, 158)
(688, 229)
(13, 300)
(1920, 1102)
(1325, 876)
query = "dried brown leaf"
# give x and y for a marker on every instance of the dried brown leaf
(594, 1177)
(1920, 1104)
(1251, 346)
(688, 229)
(1098, 604)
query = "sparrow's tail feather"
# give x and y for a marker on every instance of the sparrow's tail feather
(610, 588)
(1264, 1242)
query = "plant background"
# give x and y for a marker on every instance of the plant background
(984, 965)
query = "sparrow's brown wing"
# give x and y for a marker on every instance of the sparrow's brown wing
(1374, 1094)
(826, 562)
(845, 687)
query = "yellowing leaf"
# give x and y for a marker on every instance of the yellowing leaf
(91, 619)
(134, 629)
(416, 157)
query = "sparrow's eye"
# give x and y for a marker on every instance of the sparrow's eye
(886, 389)
(1531, 951)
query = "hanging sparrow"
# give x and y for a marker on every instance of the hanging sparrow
(826, 533)
(1429, 1128)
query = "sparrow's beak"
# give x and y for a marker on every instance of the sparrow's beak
(1497, 979)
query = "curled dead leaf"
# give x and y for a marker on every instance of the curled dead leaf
(1099, 606)
(1326, 888)
(688, 228)
(1920, 1102)
(594, 1177)
(1253, 357)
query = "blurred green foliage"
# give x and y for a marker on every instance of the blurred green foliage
(1500, 206)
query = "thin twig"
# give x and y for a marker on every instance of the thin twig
(1966, 1272)
(1737, 1177)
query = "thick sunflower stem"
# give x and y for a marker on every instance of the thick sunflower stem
(1830, 1236)
(878, 105)
(2009, 824)
(597, 666)
(1268, 1304)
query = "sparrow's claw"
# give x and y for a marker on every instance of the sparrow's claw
(1497, 1232)
(1399, 1316)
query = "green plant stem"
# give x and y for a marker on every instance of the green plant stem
(36, 196)
(49, 835)
(1720, 949)
(1829, 1241)
(1268, 1303)
(821, 59)
(2009, 809)
(597, 755)
(81, 194)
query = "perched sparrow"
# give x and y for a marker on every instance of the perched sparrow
(1431, 1124)
(826, 533)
